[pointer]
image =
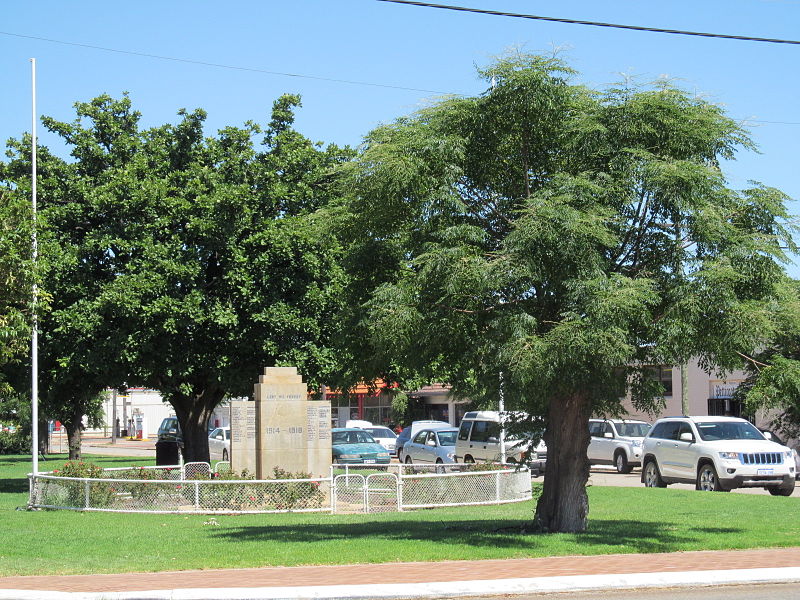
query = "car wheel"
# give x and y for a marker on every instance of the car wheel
(707, 480)
(408, 460)
(468, 459)
(781, 491)
(439, 465)
(225, 455)
(652, 476)
(621, 463)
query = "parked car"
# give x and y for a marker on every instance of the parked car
(354, 446)
(479, 440)
(170, 430)
(219, 443)
(416, 426)
(431, 446)
(716, 454)
(616, 442)
(383, 435)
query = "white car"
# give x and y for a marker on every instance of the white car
(383, 435)
(716, 454)
(219, 443)
(616, 442)
(479, 441)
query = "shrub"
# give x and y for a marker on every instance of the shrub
(101, 493)
(14, 443)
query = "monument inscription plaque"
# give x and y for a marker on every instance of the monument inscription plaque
(243, 436)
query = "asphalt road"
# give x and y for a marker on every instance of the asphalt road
(768, 591)
(607, 476)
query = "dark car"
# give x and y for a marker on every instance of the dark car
(170, 430)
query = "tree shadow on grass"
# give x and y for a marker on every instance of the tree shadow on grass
(623, 536)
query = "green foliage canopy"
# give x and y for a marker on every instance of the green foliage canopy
(188, 263)
(566, 238)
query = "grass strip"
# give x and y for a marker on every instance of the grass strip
(622, 520)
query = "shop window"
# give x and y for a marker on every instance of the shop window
(724, 407)
(663, 375)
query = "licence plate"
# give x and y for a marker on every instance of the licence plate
(369, 461)
(764, 471)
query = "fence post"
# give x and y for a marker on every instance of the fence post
(400, 489)
(86, 494)
(333, 492)
(197, 495)
(497, 486)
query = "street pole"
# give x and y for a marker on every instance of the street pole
(34, 308)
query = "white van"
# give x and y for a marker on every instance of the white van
(479, 441)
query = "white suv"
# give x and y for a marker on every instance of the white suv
(715, 454)
(616, 442)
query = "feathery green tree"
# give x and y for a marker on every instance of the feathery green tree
(562, 240)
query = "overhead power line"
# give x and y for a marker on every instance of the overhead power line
(218, 65)
(277, 73)
(496, 13)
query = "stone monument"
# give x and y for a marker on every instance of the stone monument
(291, 432)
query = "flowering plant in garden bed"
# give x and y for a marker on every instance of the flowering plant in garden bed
(101, 493)
(294, 494)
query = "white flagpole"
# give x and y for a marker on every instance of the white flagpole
(35, 254)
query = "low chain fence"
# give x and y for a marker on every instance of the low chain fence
(197, 488)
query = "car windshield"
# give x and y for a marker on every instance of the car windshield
(633, 429)
(381, 432)
(352, 437)
(727, 430)
(448, 438)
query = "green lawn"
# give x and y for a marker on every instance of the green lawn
(622, 520)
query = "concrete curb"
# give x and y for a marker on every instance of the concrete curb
(449, 589)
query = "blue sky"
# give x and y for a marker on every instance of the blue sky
(428, 51)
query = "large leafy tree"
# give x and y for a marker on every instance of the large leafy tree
(16, 273)
(17, 276)
(188, 262)
(78, 351)
(773, 382)
(555, 241)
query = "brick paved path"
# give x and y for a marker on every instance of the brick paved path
(412, 572)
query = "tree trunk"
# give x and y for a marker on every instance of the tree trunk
(73, 423)
(563, 506)
(74, 429)
(193, 413)
(44, 437)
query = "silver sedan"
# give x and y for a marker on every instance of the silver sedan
(430, 446)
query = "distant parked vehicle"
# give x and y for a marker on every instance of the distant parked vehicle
(351, 446)
(430, 446)
(616, 442)
(170, 430)
(416, 426)
(219, 443)
(384, 436)
(479, 441)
